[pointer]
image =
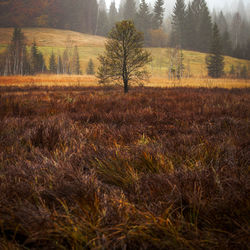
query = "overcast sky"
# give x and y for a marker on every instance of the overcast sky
(221, 4)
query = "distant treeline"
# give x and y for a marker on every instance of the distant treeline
(191, 25)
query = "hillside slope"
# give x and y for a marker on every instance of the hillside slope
(53, 37)
(90, 46)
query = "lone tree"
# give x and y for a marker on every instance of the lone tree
(215, 60)
(124, 58)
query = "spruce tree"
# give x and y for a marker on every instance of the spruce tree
(76, 68)
(52, 63)
(129, 10)
(215, 60)
(113, 15)
(144, 20)
(190, 30)
(66, 61)
(102, 27)
(222, 23)
(59, 66)
(158, 14)
(90, 69)
(227, 44)
(178, 23)
(16, 58)
(37, 64)
(205, 28)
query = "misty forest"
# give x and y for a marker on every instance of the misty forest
(124, 124)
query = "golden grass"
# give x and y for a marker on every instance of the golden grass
(87, 80)
(53, 37)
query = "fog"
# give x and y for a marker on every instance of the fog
(226, 5)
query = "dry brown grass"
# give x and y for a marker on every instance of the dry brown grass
(92, 168)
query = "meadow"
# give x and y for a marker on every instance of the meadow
(91, 168)
(84, 166)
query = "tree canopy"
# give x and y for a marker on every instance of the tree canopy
(124, 58)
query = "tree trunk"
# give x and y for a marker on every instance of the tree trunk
(125, 81)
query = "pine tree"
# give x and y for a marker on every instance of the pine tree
(198, 28)
(158, 14)
(113, 15)
(37, 64)
(90, 69)
(215, 60)
(59, 66)
(66, 62)
(222, 23)
(129, 10)
(52, 63)
(102, 27)
(205, 28)
(190, 28)
(16, 58)
(178, 23)
(144, 20)
(76, 68)
(227, 44)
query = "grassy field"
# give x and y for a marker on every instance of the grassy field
(86, 80)
(92, 168)
(165, 166)
(49, 40)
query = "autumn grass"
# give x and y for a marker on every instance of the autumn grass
(92, 168)
(87, 80)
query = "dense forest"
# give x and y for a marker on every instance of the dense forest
(191, 24)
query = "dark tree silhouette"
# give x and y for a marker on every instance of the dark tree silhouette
(158, 14)
(215, 60)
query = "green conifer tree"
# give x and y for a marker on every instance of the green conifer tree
(143, 20)
(37, 64)
(113, 15)
(76, 68)
(204, 28)
(16, 56)
(178, 23)
(129, 10)
(90, 69)
(59, 67)
(215, 60)
(190, 28)
(158, 14)
(52, 63)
